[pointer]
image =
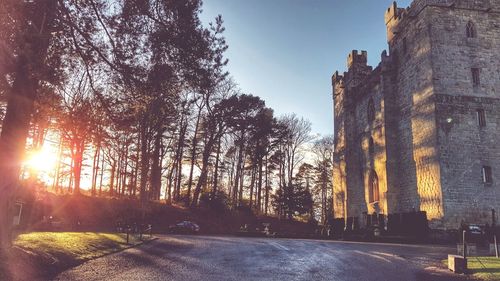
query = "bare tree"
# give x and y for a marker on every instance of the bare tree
(296, 133)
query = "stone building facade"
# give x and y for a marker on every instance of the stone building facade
(421, 131)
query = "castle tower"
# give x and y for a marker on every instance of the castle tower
(425, 122)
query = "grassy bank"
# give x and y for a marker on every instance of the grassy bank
(485, 268)
(44, 254)
(482, 268)
(73, 246)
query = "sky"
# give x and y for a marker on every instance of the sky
(285, 51)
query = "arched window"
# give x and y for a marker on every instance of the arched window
(471, 30)
(373, 187)
(370, 111)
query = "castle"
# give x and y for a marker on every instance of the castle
(421, 131)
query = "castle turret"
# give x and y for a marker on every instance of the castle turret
(355, 59)
(393, 16)
(358, 68)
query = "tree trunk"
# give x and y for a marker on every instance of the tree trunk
(170, 180)
(112, 177)
(266, 199)
(156, 167)
(252, 183)
(204, 169)
(21, 98)
(15, 129)
(242, 177)
(55, 185)
(102, 176)
(179, 155)
(124, 174)
(231, 176)
(77, 169)
(193, 156)
(136, 168)
(95, 168)
(71, 169)
(144, 162)
(118, 173)
(259, 187)
(238, 173)
(216, 172)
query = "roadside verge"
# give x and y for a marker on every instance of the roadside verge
(42, 255)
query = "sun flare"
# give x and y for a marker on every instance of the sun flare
(43, 160)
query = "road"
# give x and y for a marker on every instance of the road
(214, 258)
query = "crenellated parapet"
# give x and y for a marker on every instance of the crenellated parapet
(417, 5)
(356, 58)
(337, 79)
(396, 19)
(357, 65)
(357, 68)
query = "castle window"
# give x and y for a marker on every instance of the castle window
(371, 111)
(371, 146)
(405, 45)
(481, 118)
(475, 76)
(373, 187)
(471, 30)
(487, 176)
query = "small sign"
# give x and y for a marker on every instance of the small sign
(18, 210)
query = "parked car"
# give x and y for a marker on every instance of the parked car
(184, 227)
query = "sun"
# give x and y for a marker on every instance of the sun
(43, 160)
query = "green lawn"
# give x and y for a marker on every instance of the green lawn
(42, 255)
(73, 247)
(486, 268)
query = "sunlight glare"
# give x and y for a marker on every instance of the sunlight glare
(42, 161)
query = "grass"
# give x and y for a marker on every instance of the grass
(486, 268)
(42, 255)
(483, 268)
(73, 247)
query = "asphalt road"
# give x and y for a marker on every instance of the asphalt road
(234, 258)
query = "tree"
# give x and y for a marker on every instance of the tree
(289, 138)
(293, 200)
(77, 124)
(244, 110)
(323, 150)
(260, 146)
(150, 50)
(31, 56)
(176, 54)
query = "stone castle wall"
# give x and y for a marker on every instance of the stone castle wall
(465, 147)
(411, 46)
(423, 161)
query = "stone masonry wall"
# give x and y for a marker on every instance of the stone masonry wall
(419, 184)
(429, 148)
(339, 167)
(376, 160)
(464, 146)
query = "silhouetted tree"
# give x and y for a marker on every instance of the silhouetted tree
(292, 200)
(323, 151)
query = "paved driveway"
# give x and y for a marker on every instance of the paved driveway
(234, 258)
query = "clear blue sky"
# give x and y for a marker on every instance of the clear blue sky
(285, 51)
